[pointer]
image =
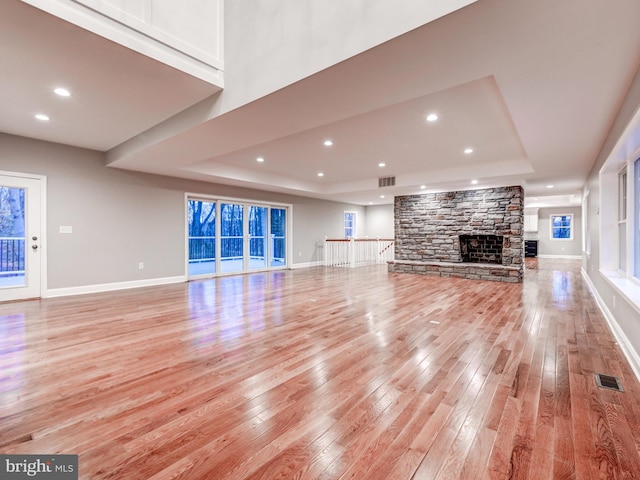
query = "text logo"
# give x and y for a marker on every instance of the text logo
(49, 467)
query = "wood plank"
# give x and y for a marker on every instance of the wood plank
(323, 373)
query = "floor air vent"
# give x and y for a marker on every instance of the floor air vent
(607, 381)
(386, 182)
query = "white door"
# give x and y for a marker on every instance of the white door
(20, 237)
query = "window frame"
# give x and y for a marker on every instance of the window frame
(352, 227)
(586, 238)
(622, 215)
(633, 207)
(625, 152)
(571, 227)
(218, 200)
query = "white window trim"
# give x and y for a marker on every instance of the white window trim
(354, 228)
(571, 227)
(625, 152)
(623, 207)
(586, 239)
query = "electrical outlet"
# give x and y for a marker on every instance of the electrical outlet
(66, 229)
(141, 265)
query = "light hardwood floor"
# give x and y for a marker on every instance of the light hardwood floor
(323, 373)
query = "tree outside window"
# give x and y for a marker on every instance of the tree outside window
(12, 230)
(562, 227)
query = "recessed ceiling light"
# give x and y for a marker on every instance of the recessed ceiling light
(381, 196)
(63, 92)
(549, 186)
(328, 143)
(535, 199)
(320, 174)
(474, 182)
(468, 150)
(42, 117)
(382, 164)
(432, 117)
(422, 187)
(370, 203)
(260, 159)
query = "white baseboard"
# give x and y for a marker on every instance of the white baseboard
(625, 345)
(571, 257)
(307, 265)
(110, 287)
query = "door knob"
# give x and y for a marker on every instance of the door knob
(34, 247)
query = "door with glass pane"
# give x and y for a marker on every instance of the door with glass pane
(232, 238)
(20, 244)
(258, 237)
(278, 236)
(201, 218)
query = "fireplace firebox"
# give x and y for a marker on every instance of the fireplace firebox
(481, 248)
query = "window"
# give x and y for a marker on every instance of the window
(349, 224)
(636, 217)
(619, 217)
(586, 234)
(562, 227)
(622, 195)
(616, 211)
(622, 220)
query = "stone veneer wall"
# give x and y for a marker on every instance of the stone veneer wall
(427, 229)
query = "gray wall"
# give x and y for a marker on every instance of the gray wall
(379, 221)
(546, 246)
(315, 220)
(121, 218)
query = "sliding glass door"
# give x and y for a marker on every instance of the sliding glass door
(251, 237)
(278, 235)
(232, 238)
(258, 245)
(201, 216)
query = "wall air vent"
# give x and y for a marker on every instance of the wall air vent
(386, 182)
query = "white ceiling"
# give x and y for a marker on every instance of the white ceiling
(531, 86)
(117, 93)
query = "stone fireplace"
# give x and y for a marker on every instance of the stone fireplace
(475, 234)
(481, 248)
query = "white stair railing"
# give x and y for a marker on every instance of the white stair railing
(357, 252)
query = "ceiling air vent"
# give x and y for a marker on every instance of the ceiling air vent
(386, 182)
